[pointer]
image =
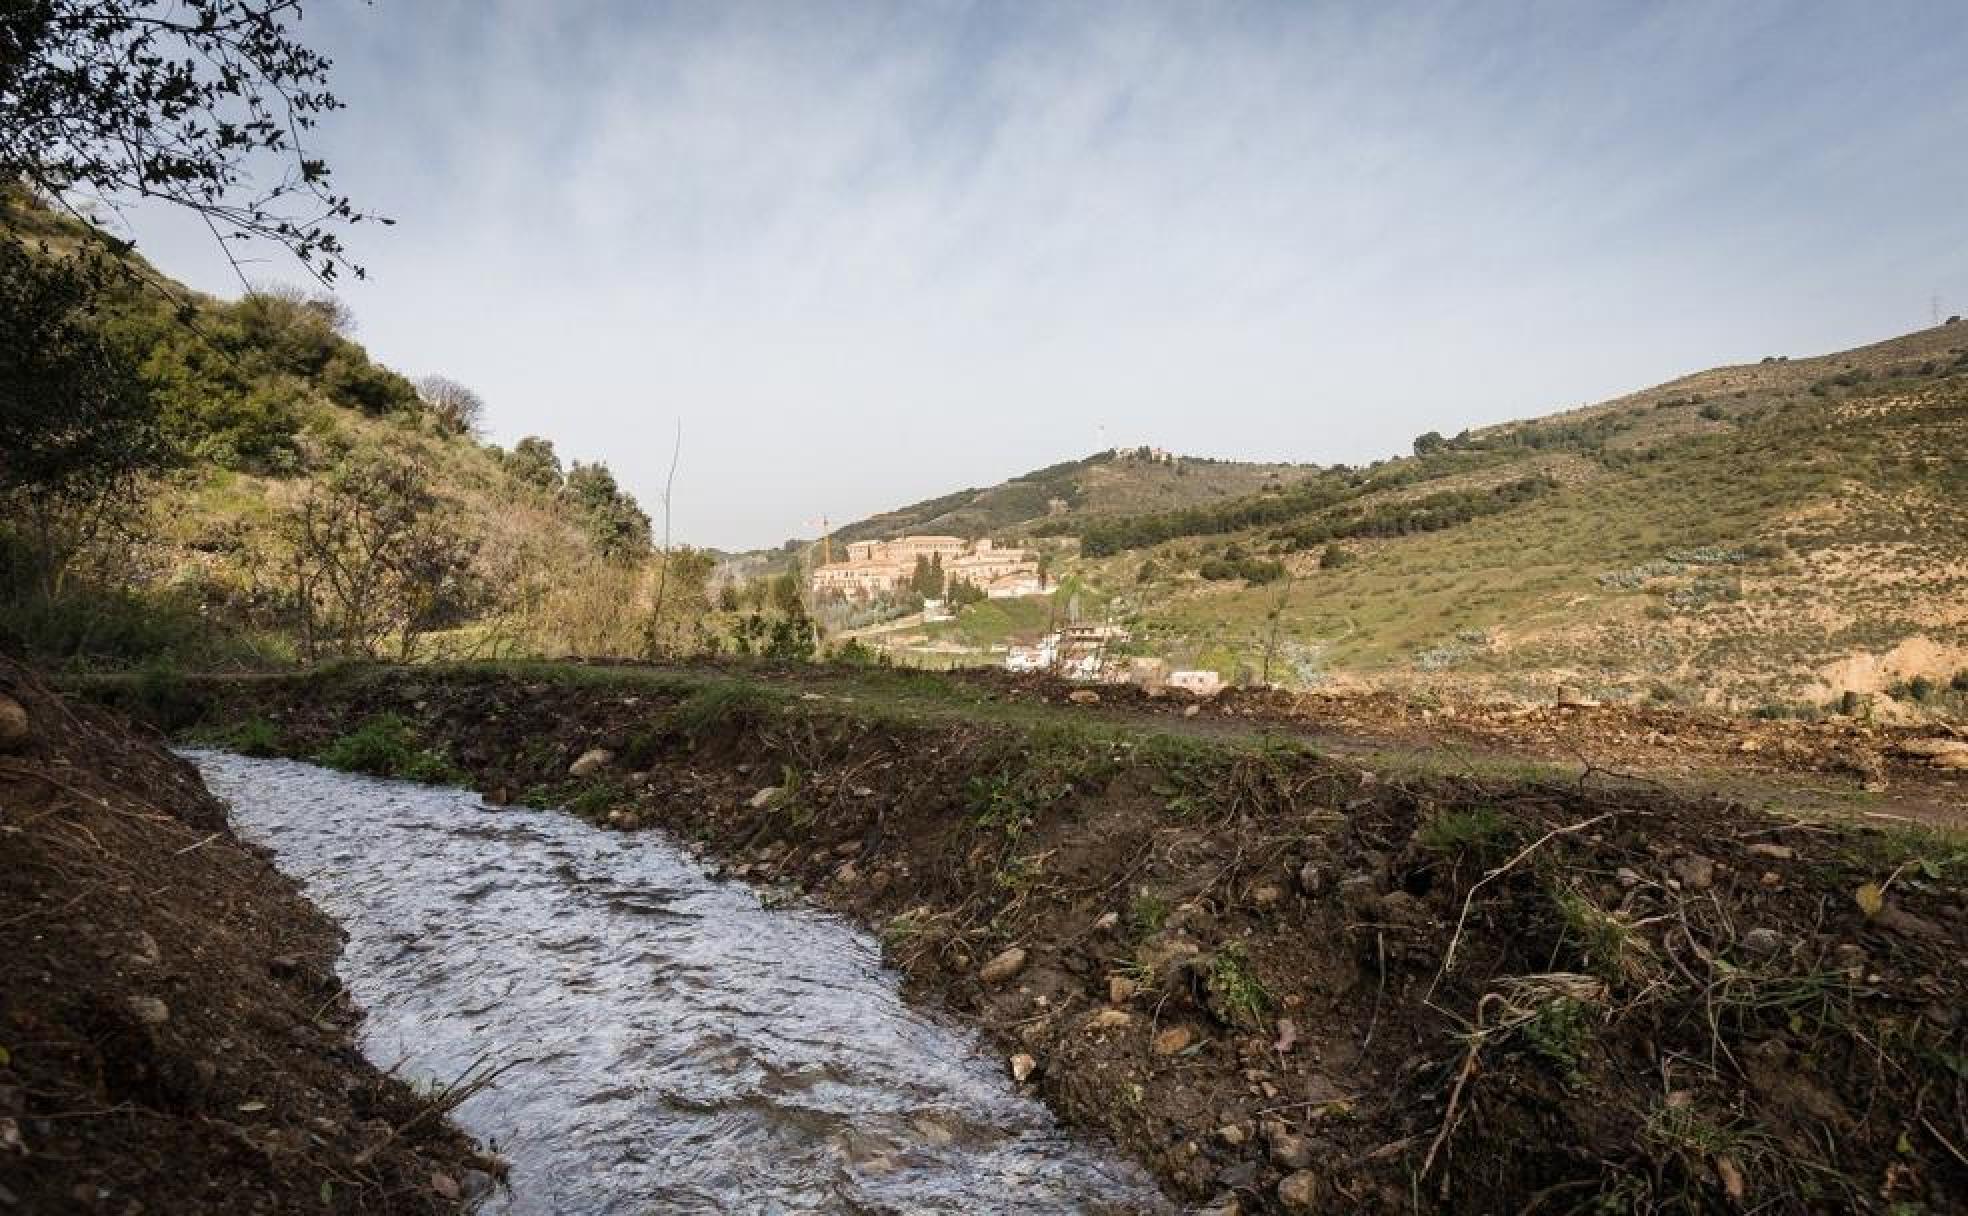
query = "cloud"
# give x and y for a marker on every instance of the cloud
(871, 253)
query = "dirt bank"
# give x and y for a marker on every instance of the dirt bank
(172, 1038)
(1282, 980)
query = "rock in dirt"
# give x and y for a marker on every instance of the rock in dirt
(1023, 1066)
(592, 760)
(445, 1186)
(624, 820)
(1311, 878)
(1762, 941)
(1289, 1151)
(1110, 1019)
(1106, 922)
(149, 1010)
(1299, 1192)
(1121, 989)
(1775, 852)
(1697, 873)
(1950, 760)
(13, 724)
(1173, 1040)
(1190, 711)
(1083, 696)
(1003, 967)
(1266, 896)
(764, 798)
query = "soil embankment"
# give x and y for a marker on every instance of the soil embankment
(1283, 980)
(172, 1036)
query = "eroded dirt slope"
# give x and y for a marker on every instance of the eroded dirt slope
(172, 1037)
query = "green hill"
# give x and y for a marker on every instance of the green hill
(1770, 536)
(1111, 483)
(293, 495)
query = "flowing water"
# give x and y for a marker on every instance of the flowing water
(679, 1046)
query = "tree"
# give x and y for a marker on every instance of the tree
(181, 102)
(614, 521)
(786, 595)
(458, 409)
(533, 460)
(77, 428)
(374, 558)
(1431, 441)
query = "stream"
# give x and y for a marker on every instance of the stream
(673, 1045)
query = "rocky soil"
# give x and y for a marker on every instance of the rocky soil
(1289, 981)
(172, 1037)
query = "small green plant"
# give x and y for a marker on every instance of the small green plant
(1147, 913)
(1559, 1033)
(1611, 948)
(1235, 993)
(254, 737)
(1477, 830)
(386, 746)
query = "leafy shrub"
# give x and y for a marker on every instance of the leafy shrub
(254, 737)
(386, 746)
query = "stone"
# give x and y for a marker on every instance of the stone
(1083, 696)
(1950, 760)
(1190, 711)
(1627, 877)
(1762, 941)
(1289, 1151)
(624, 820)
(1173, 1041)
(1311, 878)
(1775, 852)
(1299, 1191)
(476, 1184)
(1023, 1066)
(1121, 989)
(143, 949)
(1110, 1019)
(13, 724)
(1232, 1134)
(1572, 698)
(445, 1186)
(847, 875)
(592, 760)
(1004, 966)
(1697, 873)
(148, 1010)
(1267, 895)
(764, 798)
(1106, 922)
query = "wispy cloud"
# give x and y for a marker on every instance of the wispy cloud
(873, 252)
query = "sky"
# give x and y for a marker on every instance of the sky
(864, 254)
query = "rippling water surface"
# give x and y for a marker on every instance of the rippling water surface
(683, 1048)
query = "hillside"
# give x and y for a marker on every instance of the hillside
(1768, 536)
(1106, 484)
(263, 490)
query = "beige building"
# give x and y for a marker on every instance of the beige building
(875, 567)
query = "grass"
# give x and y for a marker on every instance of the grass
(387, 746)
(1235, 993)
(1480, 830)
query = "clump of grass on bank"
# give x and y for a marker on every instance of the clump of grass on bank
(723, 705)
(387, 746)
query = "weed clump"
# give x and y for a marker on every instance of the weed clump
(386, 746)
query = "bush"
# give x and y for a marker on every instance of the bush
(386, 746)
